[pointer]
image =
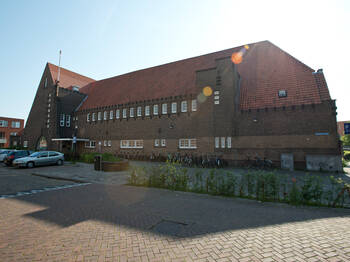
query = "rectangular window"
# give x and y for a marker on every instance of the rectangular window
(2, 135)
(105, 143)
(4, 123)
(173, 107)
(132, 112)
(117, 114)
(194, 105)
(188, 143)
(90, 144)
(88, 117)
(105, 115)
(45, 85)
(131, 143)
(147, 110)
(93, 116)
(139, 111)
(109, 143)
(163, 142)
(62, 118)
(228, 142)
(111, 114)
(223, 142)
(99, 116)
(217, 142)
(164, 109)
(13, 134)
(184, 106)
(15, 124)
(124, 113)
(155, 110)
(156, 142)
(25, 143)
(68, 121)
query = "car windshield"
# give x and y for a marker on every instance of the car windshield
(35, 154)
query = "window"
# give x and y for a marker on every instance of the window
(49, 105)
(90, 144)
(25, 143)
(164, 109)
(88, 117)
(2, 135)
(282, 93)
(184, 106)
(223, 143)
(76, 118)
(194, 105)
(45, 85)
(163, 142)
(139, 111)
(62, 118)
(131, 143)
(124, 113)
(173, 107)
(105, 143)
(188, 143)
(68, 121)
(111, 114)
(132, 112)
(109, 143)
(156, 142)
(93, 116)
(155, 110)
(117, 114)
(15, 124)
(105, 115)
(217, 142)
(13, 134)
(4, 123)
(228, 142)
(99, 116)
(147, 110)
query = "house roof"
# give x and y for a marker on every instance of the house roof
(264, 70)
(68, 78)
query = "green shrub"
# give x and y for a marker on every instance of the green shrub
(89, 157)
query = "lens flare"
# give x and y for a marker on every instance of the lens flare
(246, 47)
(207, 91)
(237, 57)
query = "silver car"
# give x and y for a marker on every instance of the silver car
(3, 153)
(41, 158)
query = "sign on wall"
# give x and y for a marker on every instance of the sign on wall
(346, 128)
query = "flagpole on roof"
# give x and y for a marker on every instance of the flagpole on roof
(59, 71)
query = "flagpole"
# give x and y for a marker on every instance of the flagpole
(59, 72)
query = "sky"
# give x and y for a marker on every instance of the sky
(105, 38)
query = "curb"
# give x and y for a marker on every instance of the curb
(61, 178)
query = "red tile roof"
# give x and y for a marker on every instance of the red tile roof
(264, 70)
(68, 78)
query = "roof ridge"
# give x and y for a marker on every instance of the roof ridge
(70, 71)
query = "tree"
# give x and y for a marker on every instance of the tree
(346, 140)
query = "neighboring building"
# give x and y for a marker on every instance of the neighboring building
(341, 127)
(10, 128)
(236, 103)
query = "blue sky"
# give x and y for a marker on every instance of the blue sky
(106, 38)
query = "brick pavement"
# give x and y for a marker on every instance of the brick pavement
(122, 223)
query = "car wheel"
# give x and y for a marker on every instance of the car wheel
(59, 162)
(30, 164)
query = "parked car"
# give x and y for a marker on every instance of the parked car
(3, 153)
(10, 157)
(40, 159)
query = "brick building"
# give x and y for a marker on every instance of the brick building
(341, 125)
(252, 100)
(10, 130)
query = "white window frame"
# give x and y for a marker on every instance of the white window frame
(163, 142)
(117, 113)
(194, 105)
(15, 124)
(173, 107)
(184, 106)
(62, 120)
(124, 113)
(223, 142)
(155, 110)
(229, 142)
(187, 143)
(132, 111)
(67, 120)
(25, 143)
(99, 116)
(139, 111)
(111, 114)
(147, 110)
(165, 109)
(109, 143)
(93, 118)
(90, 144)
(105, 115)
(4, 123)
(104, 142)
(131, 143)
(217, 142)
(156, 142)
